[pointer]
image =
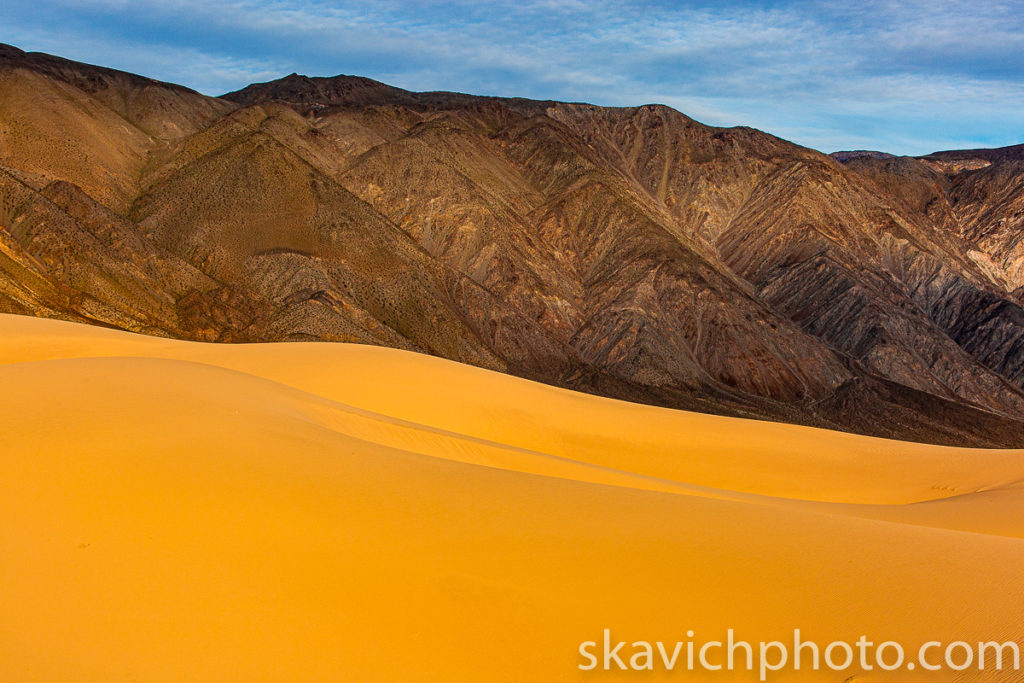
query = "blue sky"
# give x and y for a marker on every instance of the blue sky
(905, 77)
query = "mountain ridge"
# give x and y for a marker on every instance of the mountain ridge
(631, 252)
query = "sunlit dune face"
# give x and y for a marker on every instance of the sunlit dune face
(173, 511)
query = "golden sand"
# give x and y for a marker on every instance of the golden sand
(173, 511)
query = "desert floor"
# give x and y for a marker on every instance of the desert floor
(173, 511)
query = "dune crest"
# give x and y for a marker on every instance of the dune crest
(185, 511)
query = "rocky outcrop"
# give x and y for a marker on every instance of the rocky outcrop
(977, 195)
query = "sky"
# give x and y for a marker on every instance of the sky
(906, 77)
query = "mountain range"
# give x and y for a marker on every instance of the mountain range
(629, 252)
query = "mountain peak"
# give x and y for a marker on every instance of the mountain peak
(88, 77)
(317, 90)
(991, 154)
(847, 155)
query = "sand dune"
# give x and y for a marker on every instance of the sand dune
(173, 511)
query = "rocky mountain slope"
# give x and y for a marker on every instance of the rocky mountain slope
(629, 252)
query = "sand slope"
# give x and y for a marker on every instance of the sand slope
(173, 511)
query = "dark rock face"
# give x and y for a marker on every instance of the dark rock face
(849, 155)
(629, 252)
(977, 195)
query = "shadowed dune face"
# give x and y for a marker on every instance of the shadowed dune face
(632, 252)
(175, 510)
